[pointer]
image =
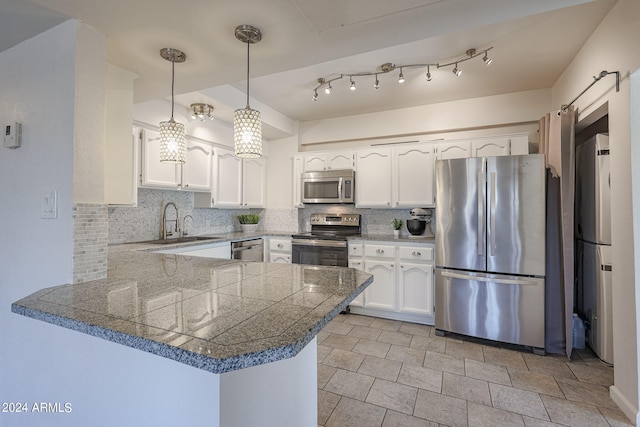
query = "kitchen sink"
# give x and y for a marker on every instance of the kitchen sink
(180, 240)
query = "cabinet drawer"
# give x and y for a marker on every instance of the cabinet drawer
(416, 253)
(379, 251)
(282, 245)
(355, 249)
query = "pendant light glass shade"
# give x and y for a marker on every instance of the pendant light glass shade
(247, 133)
(247, 126)
(172, 144)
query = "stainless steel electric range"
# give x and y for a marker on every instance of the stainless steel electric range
(326, 243)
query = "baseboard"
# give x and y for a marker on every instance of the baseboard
(629, 409)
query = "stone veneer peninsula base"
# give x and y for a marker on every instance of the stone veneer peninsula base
(236, 340)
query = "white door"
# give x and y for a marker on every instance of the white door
(155, 173)
(490, 147)
(228, 180)
(373, 179)
(340, 160)
(315, 162)
(414, 176)
(381, 294)
(454, 150)
(196, 171)
(415, 283)
(253, 183)
(359, 264)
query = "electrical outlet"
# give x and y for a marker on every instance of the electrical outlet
(49, 205)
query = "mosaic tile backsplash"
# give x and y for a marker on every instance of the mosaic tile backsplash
(129, 224)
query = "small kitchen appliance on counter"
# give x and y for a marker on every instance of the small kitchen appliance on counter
(420, 217)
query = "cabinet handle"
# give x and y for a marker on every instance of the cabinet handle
(388, 203)
(186, 186)
(416, 253)
(280, 245)
(379, 251)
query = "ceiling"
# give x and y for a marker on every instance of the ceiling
(303, 40)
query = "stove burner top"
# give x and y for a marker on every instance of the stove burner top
(332, 227)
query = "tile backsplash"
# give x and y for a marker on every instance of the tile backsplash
(134, 224)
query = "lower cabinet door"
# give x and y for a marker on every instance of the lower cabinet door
(415, 284)
(381, 294)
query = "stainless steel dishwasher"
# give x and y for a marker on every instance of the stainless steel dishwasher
(248, 250)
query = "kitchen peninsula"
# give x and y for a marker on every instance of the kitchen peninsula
(249, 327)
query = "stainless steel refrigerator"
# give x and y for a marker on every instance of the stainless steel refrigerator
(593, 244)
(490, 248)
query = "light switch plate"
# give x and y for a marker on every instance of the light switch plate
(49, 205)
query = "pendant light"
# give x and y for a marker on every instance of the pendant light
(247, 126)
(172, 144)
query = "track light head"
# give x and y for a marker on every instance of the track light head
(428, 74)
(353, 84)
(457, 71)
(315, 95)
(486, 59)
(376, 85)
(401, 76)
(327, 89)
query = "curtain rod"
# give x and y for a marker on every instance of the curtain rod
(602, 74)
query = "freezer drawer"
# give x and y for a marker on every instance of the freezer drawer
(496, 307)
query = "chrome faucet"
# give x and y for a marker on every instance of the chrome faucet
(167, 232)
(184, 224)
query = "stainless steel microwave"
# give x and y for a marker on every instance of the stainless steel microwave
(332, 186)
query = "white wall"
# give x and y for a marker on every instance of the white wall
(491, 111)
(38, 89)
(614, 46)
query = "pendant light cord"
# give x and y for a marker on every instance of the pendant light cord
(173, 75)
(248, 44)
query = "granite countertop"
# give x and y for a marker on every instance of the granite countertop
(214, 314)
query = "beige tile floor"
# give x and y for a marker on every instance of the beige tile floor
(382, 373)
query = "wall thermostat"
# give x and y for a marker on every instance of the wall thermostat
(13, 135)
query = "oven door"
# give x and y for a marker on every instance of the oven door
(319, 252)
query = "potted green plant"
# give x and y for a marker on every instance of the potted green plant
(248, 222)
(397, 226)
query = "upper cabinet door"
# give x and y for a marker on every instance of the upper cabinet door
(490, 147)
(342, 160)
(228, 180)
(315, 162)
(373, 183)
(413, 176)
(454, 150)
(153, 172)
(253, 183)
(196, 171)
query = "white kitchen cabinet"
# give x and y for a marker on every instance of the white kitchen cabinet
(328, 161)
(196, 170)
(154, 173)
(237, 183)
(380, 260)
(254, 173)
(413, 178)
(415, 280)
(280, 250)
(373, 183)
(491, 147)
(193, 175)
(403, 281)
(454, 150)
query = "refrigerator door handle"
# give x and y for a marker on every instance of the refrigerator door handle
(481, 211)
(492, 213)
(488, 279)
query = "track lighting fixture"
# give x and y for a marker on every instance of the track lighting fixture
(389, 67)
